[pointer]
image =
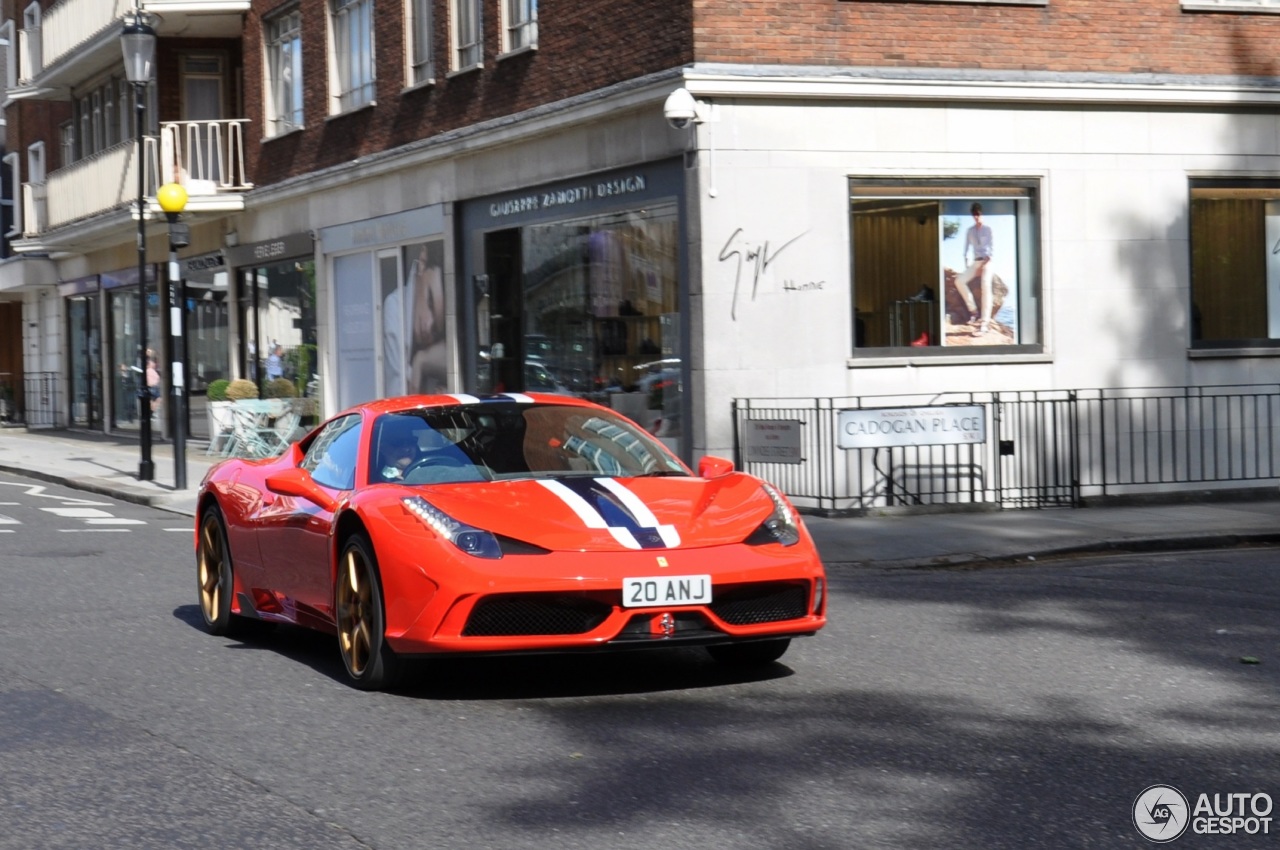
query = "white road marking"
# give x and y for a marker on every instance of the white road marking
(77, 513)
(7, 531)
(92, 530)
(115, 521)
(179, 530)
(10, 504)
(8, 520)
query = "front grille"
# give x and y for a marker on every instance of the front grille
(761, 603)
(534, 614)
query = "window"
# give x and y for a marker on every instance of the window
(331, 458)
(467, 48)
(352, 23)
(14, 168)
(10, 55)
(284, 69)
(1235, 270)
(944, 264)
(519, 24)
(421, 56)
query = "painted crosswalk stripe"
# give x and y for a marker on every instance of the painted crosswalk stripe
(8, 520)
(114, 521)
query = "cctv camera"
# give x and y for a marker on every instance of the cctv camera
(680, 109)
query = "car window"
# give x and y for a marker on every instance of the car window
(496, 440)
(331, 458)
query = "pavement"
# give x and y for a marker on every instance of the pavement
(108, 465)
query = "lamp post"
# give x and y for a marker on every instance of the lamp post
(173, 199)
(138, 44)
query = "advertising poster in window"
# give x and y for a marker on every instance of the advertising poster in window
(424, 292)
(979, 272)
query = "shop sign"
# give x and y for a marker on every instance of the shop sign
(884, 427)
(569, 195)
(771, 441)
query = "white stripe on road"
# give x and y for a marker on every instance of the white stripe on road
(77, 513)
(8, 520)
(93, 530)
(115, 521)
(179, 530)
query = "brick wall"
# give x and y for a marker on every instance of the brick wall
(582, 46)
(1105, 36)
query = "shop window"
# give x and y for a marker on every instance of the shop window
(588, 307)
(1235, 267)
(941, 265)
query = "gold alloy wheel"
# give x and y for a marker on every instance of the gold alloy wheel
(211, 566)
(356, 612)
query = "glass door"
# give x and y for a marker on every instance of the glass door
(85, 380)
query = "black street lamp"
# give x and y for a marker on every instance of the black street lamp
(138, 43)
(173, 199)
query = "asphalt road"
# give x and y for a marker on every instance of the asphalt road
(1009, 708)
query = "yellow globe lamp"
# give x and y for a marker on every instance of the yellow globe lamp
(172, 197)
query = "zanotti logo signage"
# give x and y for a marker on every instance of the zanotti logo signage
(1162, 813)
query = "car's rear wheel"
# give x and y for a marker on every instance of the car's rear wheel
(214, 575)
(370, 663)
(750, 654)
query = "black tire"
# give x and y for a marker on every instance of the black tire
(361, 620)
(751, 654)
(215, 574)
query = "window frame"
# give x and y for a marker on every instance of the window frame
(353, 80)
(519, 26)
(469, 55)
(1266, 191)
(275, 34)
(419, 53)
(13, 162)
(1028, 287)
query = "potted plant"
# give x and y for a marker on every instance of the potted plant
(218, 410)
(241, 388)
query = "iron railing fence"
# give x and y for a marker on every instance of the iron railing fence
(1040, 448)
(42, 399)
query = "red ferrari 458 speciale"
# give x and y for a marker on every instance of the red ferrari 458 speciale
(457, 524)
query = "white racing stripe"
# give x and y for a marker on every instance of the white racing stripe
(630, 501)
(589, 515)
(462, 398)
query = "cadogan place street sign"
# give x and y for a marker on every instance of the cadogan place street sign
(884, 427)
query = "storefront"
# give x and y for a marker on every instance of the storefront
(389, 310)
(275, 315)
(128, 367)
(82, 306)
(576, 288)
(206, 298)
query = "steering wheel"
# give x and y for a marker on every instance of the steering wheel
(433, 460)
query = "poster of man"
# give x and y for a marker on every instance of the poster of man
(979, 272)
(424, 281)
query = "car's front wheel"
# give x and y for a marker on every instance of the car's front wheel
(370, 663)
(753, 653)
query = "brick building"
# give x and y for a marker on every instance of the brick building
(476, 195)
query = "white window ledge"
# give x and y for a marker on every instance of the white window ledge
(969, 2)
(1260, 7)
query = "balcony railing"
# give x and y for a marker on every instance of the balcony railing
(206, 157)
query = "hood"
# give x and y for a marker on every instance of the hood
(600, 514)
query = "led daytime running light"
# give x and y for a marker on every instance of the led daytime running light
(469, 539)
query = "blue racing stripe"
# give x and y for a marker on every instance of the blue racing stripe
(614, 513)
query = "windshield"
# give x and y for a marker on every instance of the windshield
(498, 440)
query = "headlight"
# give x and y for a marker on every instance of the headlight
(782, 526)
(473, 541)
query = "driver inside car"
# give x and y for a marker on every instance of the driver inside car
(397, 454)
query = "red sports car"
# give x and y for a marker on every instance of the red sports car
(456, 524)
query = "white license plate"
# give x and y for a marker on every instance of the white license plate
(666, 590)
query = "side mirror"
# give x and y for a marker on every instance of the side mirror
(299, 483)
(711, 466)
